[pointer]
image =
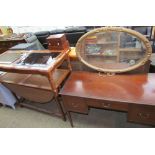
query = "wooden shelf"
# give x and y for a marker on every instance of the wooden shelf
(109, 42)
(130, 50)
(35, 80)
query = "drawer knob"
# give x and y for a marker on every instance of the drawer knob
(74, 105)
(143, 115)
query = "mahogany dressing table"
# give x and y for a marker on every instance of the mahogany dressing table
(112, 52)
(134, 94)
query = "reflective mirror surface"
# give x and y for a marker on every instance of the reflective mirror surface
(113, 49)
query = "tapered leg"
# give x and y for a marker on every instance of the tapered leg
(70, 118)
(60, 108)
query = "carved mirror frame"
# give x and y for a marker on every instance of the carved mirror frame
(116, 29)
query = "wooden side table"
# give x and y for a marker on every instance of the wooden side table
(29, 80)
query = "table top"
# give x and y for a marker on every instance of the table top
(55, 36)
(33, 62)
(137, 88)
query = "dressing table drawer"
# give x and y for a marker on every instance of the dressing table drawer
(75, 104)
(141, 114)
(107, 104)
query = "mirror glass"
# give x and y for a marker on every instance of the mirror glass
(113, 50)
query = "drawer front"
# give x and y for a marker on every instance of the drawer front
(141, 114)
(75, 104)
(107, 104)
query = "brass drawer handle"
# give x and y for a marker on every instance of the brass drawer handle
(106, 105)
(143, 115)
(74, 105)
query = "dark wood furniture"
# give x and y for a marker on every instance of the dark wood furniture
(36, 79)
(152, 65)
(57, 42)
(6, 43)
(112, 50)
(134, 94)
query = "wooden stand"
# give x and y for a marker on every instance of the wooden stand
(36, 84)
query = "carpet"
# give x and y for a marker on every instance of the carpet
(23, 117)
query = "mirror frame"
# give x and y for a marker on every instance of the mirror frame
(116, 29)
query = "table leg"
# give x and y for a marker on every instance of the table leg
(18, 101)
(70, 118)
(69, 64)
(60, 108)
(55, 91)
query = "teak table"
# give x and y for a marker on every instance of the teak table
(44, 79)
(134, 94)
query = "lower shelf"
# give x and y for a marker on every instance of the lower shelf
(33, 87)
(35, 80)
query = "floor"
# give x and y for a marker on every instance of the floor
(26, 118)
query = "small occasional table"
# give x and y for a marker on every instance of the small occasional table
(38, 70)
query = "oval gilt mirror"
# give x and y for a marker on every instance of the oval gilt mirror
(113, 49)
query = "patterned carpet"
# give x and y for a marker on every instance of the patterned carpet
(97, 118)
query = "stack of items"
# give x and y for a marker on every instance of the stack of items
(91, 40)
